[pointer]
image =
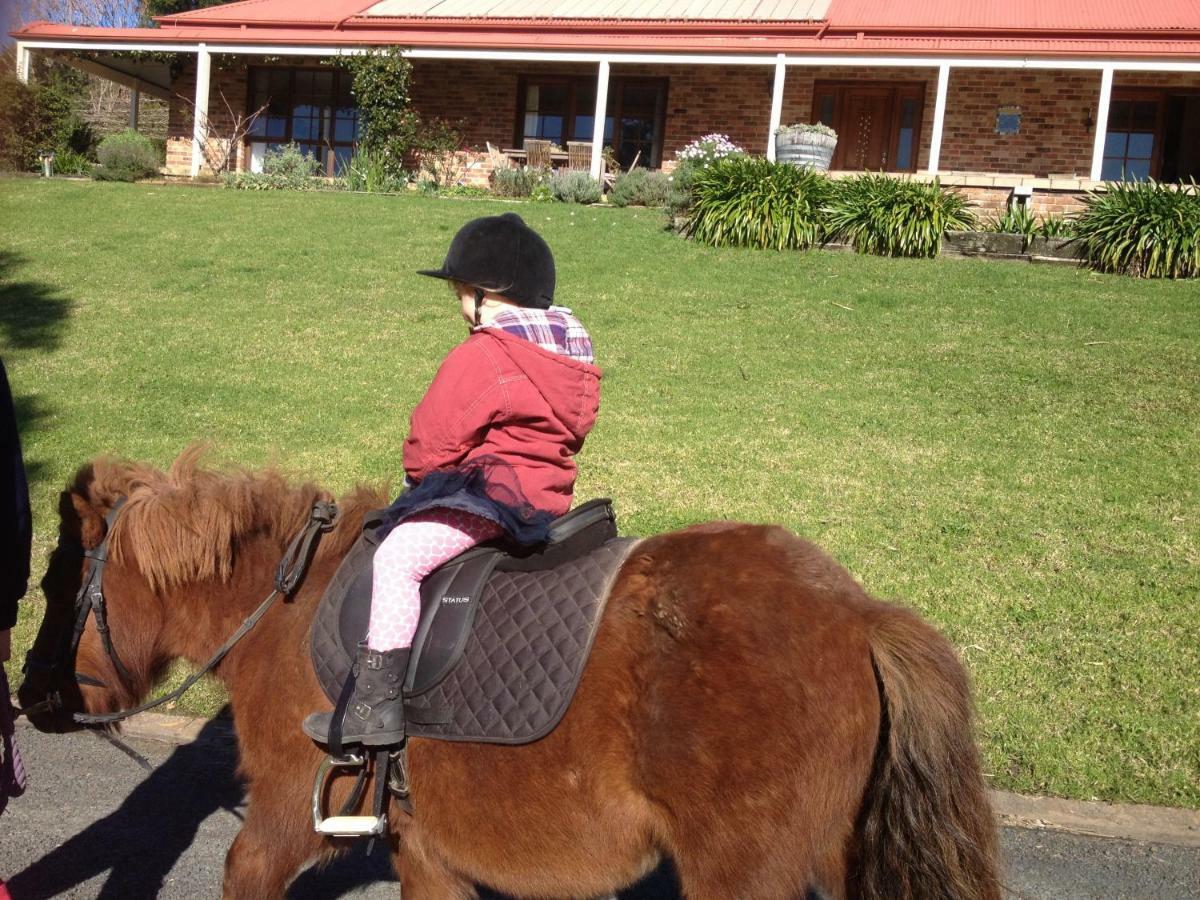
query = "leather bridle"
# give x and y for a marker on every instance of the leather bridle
(90, 601)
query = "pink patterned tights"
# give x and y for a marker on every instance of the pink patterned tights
(412, 550)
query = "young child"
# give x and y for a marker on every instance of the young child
(489, 451)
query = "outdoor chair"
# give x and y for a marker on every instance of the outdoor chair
(497, 159)
(537, 153)
(579, 155)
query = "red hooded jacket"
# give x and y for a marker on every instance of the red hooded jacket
(502, 398)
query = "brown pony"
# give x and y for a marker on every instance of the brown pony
(747, 711)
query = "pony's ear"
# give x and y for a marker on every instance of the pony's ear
(90, 519)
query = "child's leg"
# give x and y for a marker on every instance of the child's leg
(413, 549)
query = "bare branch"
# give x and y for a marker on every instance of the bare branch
(220, 151)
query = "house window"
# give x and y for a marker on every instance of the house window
(312, 107)
(561, 109)
(1152, 133)
(878, 123)
(1132, 140)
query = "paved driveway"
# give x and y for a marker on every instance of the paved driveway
(100, 822)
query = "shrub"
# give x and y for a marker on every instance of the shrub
(439, 142)
(752, 202)
(575, 186)
(1142, 228)
(1021, 220)
(705, 151)
(126, 156)
(679, 192)
(290, 162)
(1056, 227)
(1016, 219)
(285, 169)
(806, 128)
(519, 182)
(40, 115)
(465, 191)
(371, 171)
(640, 187)
(68, 162)
(896, 216)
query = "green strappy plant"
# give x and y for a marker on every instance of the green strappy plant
(1142, 228)
(743, 201)
(888, 216)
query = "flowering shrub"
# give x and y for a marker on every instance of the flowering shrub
(708, 149)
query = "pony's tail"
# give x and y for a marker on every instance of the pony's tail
(926, 829)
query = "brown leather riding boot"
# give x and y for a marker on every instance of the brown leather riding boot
(374, 716)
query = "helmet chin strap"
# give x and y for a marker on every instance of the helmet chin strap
(478, 304)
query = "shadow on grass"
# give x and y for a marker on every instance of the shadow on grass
(32, 313)
(30, 412)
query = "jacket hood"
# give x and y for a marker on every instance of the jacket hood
(571, 388)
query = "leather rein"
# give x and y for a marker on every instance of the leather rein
(90, 601)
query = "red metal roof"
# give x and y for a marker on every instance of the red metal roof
(1016, 15)
(973, 28)
(643, 40)
(273, 12)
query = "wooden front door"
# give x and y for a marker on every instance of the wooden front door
(865, 133)
(878, 125)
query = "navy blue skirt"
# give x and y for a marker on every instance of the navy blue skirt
(483, 488)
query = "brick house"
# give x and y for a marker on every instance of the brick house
(998, 97)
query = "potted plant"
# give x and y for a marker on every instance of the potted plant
(805, 145)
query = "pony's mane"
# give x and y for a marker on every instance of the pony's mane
(187, 523)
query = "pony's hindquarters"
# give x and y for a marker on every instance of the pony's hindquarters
(926, 829)
(757, 713)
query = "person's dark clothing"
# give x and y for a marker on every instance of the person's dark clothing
(15, 522)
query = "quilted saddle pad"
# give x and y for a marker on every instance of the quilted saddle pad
(511, 678)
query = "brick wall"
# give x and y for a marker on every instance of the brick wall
(1054, 137)
(734, 100)
(227, 79)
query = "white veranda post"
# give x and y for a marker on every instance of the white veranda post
(24, 60)
(1106, 80)
(776, 105)
(200, 109)
(939, 118)
(598, 120)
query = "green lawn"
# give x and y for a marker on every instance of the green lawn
(1010, 449)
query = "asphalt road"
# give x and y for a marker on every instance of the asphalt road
(97, 823)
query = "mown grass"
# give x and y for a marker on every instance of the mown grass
(1009, 449)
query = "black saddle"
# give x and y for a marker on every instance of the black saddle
(504, 632)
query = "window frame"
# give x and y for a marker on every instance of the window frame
(328, 157)
(614, 111)
(1132, 95)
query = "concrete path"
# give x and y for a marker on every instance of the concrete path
(97, 823)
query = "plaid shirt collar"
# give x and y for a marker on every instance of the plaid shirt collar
(553, 329)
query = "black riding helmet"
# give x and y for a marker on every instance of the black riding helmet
(503, 255)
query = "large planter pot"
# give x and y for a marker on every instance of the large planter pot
(805, 148)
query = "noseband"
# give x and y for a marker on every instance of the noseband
(90, 600)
